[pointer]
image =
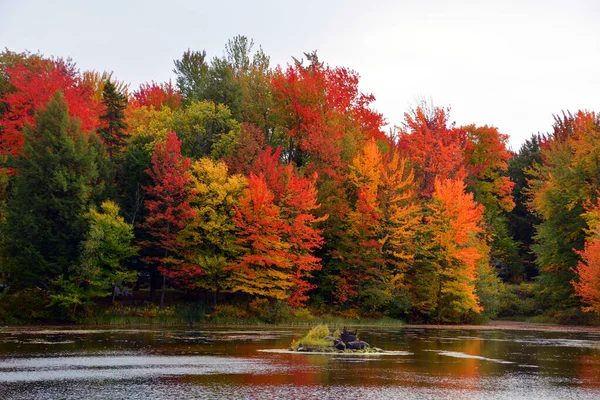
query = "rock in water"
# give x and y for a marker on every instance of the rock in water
(348, 337)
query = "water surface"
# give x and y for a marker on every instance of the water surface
(228, 363)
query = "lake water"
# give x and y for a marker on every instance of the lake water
(228, 363)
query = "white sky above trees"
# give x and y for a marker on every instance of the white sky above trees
(510, 64)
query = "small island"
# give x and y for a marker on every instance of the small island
(320, 340)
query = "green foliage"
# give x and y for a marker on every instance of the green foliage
(56, 176)
(25, 306)
(489, 289)
(270, 311)
(113, 118)
(220, 80)
(106, 245)
(206, 129)
(521, 219)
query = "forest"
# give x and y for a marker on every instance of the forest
(247, 191)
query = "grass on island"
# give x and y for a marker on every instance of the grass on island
(314, 338)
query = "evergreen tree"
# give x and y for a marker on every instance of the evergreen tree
(113, 120)
(521, 219)
(56, 174)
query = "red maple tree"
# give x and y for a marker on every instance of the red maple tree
(34, 85)
(168, 207)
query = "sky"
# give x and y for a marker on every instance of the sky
(509, 64)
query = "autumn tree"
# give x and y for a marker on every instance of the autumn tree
(209, 240)
(435, 147)
(381, 231)
(587, 285)
(561, 188)
(487, 165)
(168, 205)
(34, 83)
(400, 226)
(587, 272)
(156, 96)
(321, 122)
(277, 228)
(445, 274)
(95, 82)
(264, 267)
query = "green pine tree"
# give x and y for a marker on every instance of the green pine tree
(55, 177)
(114, 125)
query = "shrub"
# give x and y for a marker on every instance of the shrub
(270, 311)
(227, 311)
(25, 306)
(303, 314)
(315, 337)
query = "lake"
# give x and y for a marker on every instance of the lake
(229, 363)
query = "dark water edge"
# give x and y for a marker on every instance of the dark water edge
(466, 362)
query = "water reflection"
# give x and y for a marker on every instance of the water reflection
(228, 363)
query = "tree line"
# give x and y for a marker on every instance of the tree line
(244, 181)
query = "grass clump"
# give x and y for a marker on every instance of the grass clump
(314, 338)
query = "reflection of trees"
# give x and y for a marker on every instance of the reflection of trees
(588, 370)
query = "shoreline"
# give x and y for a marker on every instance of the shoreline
(493, 325)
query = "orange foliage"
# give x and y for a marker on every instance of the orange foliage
(435, 148)
(453, 224)
(588, 272)
(277, 227)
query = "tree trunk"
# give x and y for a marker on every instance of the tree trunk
(162, 294)
(153, 284)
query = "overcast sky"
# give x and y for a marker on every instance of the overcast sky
(510, 64)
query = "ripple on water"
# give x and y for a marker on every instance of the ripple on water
(458, 354)
(127, 367)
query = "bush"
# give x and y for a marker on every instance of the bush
(227, 311)
(25, 306)
(270, 311)
(315, 337)
(303, 314)
(351, 313)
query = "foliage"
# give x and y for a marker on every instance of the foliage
(273, 194)
(521, 219)
(113, 126)
(56, 176)
(208, 241)
(445, 277)
(277, 231)
(587, 283)
(168, 205)
(561, 188)
(35, 83)
(434, 146)
(155, 96)
(106, 245)
(315, 337)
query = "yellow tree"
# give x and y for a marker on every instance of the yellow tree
(445, 277)
(400, 223)
(381, 229)
(363, 247)
(209, 241)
